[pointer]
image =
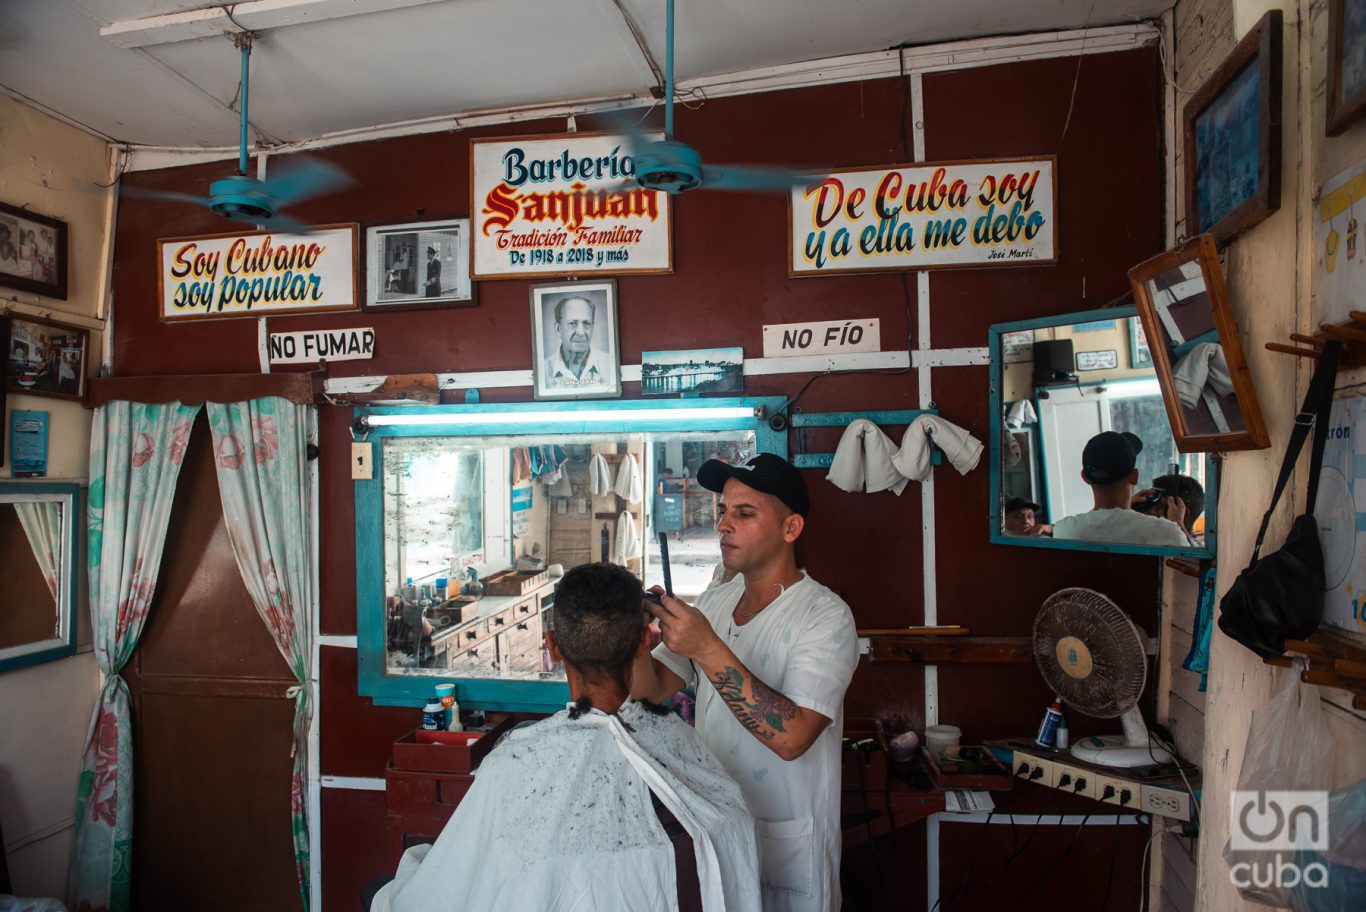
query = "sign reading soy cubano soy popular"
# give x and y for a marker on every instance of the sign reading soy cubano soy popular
(258, 273)
(937, 215)
(564, 205)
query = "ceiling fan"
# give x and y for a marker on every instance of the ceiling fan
(675, 167)
(243, 198)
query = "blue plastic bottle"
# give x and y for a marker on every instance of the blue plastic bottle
(1048, 728)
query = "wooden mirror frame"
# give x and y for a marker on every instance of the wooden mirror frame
(1200, 248)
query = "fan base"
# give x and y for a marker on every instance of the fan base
(1114, 750)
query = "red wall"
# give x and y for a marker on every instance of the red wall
(730, 279)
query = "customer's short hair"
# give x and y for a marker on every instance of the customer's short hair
(1186, 488)
(599, 614)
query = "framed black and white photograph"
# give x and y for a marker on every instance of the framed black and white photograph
(46, 358)
(697, 370)
(418, 264)
(574, 341)
(32, 252)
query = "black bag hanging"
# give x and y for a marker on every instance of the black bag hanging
(1280, 596)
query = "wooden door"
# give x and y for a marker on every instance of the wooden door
(211, 724)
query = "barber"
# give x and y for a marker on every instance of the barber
(771, 654)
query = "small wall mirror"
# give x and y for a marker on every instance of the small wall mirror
(1196, 350)
(39, 565)
(512, 496)
(1059, 382)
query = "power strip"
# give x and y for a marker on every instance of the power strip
(1165, 796)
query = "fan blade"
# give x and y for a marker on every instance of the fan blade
(304, 177)
(143, 193)
(739, 177)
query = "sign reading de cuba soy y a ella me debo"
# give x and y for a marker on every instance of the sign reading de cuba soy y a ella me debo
(258, 273)
(936, 215)
(564, 205)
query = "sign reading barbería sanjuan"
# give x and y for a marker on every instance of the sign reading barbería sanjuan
(258, 273)
(932, 215)
(564, 205)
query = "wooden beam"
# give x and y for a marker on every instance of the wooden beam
(257, 15)
(945, 650)
(193, 389)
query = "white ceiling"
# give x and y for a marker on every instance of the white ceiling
(408, 60)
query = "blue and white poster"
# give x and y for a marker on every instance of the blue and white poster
(28, 444)
(1341, 514)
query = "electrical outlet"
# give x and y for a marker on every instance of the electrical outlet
(361, 469)
(1043, 773)
(1174, 803)
(1074, 781)
(1122, 792)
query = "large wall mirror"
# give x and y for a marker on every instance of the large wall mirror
(1057, 385)
(39, 567)
(1198, 354)
(511, 496)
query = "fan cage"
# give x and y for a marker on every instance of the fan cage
(1119, 667)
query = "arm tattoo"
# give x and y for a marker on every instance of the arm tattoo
(764, 717)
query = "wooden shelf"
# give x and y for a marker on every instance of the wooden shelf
(941, 650)
(1351, 334)
(1335, 660)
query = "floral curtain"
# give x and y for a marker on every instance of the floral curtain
(135, 456)
(42, 524)
(260, 452)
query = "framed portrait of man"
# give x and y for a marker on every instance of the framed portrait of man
(574, 341)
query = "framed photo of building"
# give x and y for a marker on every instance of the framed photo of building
(45, 358)
(1346, 63)
(418, 264)
(33, 255)
(1233, 138)
(575, 354)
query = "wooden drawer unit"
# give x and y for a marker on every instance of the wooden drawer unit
(480, 659)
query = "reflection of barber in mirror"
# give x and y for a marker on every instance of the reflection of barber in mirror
(1108, 465)
(579, 811)
(1186, 489)
(771, 653)
(1022, 518)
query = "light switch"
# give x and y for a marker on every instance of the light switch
(360, 461)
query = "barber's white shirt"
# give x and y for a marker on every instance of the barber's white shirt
(804, 646)
(1117, 525)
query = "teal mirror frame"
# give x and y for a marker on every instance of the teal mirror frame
(69, 495)
(616, 416)
(997, 536)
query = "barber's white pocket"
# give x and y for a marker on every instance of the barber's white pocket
(787, 855)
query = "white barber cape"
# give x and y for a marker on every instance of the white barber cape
(559, 819)
(803, 645)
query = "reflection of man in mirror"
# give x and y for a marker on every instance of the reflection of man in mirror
(1108, 465)
(1183, 487)
(574, 363)
(1022, 518)
(582, 810)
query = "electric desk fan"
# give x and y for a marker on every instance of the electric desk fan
(1092, 654)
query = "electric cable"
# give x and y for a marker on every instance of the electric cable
(1059, 860)
(1110, 871)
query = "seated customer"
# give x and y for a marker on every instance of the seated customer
(561, 814)
(1187, 489)
(1108, 466)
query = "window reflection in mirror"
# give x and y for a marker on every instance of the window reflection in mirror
(514, 513)
(1061, 386)
(38, 560)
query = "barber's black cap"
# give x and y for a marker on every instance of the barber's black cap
(763, 472)
(1109, 457)
(1019, 503)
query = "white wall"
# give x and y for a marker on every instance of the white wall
(1270, 273)
(45, 710)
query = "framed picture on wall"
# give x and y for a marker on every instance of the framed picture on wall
(418, 264)
(4, 347)
(32, 252)
(1233, 138)
(45, 358)
(574, 341)
(1346, 63)
(1140, 356)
